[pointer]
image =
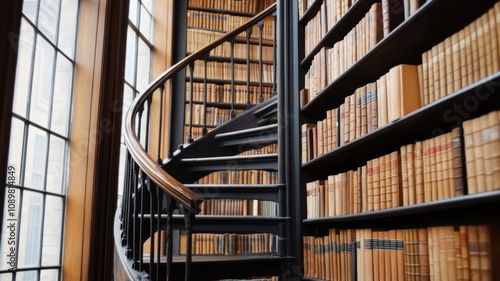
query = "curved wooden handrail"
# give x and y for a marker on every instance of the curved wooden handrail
(165, 181)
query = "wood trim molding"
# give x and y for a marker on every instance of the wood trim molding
(95, 137)
(10, 23)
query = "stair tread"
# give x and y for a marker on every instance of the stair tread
(221, 258)
(239, 133)
(230, 158)
(194, 185)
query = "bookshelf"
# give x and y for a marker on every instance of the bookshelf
(333, 244)
(253, 54)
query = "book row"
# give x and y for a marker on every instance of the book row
(330, 12)
(374, 105)
(230, 243)
(463, 58)
(240, 177)
(224, 71)
(419, 172)
(214, 116)
(223, 94)
(196, 39)
(433, 253)
(226, 22)
(236, 207)
(330, 63)
(249, 6)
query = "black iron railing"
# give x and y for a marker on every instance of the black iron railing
(151, 195)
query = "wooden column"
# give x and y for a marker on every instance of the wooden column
(95, 140)
(107, 152)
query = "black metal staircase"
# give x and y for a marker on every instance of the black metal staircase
(161, 202)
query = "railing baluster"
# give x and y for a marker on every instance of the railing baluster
(159, 197)
(249, 34)
(190, 135)
(147, 127)
(171, 206)
(204, 130)
(189, 220)
(160, 124)
(154, 217)
(233, 113)
(260, 25)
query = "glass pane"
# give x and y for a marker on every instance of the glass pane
(16, 144)
(30, 9)
(67, 27)
(56, 166)
(61, 103)
(9, 232)
(36, 156)
(148, 4)
(128, 97)
(23, 71)
(146, 21)
(49, 17)
(131, 53)
(31, 229)
(143, 66)
(49, 275)
(132, 15)
(43, 75)
(52, 231)
(27, 275)
(6, 277)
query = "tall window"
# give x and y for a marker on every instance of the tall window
(138, 60)
(31, 243)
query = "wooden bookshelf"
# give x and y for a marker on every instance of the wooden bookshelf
(420, 31)
(434, 21)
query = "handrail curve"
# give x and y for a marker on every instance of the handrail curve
(184, 196)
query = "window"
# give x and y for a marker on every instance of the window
(32, 248)
(138, 61)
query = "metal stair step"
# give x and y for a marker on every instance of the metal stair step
(268, 113)
(269, 192)
(215, 267)
(259, 137)
(267, 162)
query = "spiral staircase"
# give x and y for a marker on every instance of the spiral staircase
(160, 211)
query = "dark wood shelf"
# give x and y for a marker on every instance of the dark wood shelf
(430, 25)
(225, 82)
(225, 105)
(239, 39)
(428, 121)
(453, 211)
(228, 12)
(236, 60)
(355, 13)
(311, 11)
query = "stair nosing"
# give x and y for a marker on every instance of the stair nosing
(247, 131)
(230, 158)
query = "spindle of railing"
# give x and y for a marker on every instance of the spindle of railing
(204, 129)
(153, 218)
(188, 220)
(171, 206)
(233, 112)
(160, 125)
(249, 34)
(159, 197)
(190, 134)
(125, 202)
(261, 26)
